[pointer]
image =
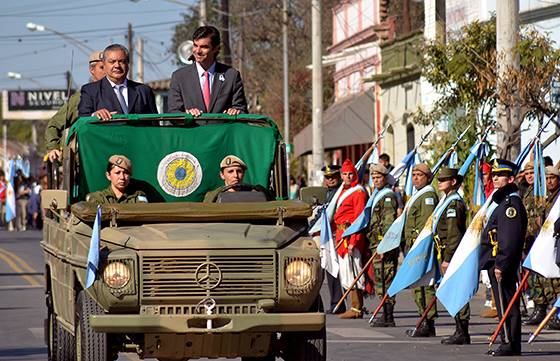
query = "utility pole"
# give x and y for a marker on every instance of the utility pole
(203, 17)
(130, 50)
(140, 46)
(317, 93)
(508, 119)
(224, 9)
(286, 83)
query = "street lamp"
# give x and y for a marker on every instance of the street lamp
(83, 47)
(18, 76)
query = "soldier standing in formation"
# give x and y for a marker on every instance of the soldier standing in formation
(416, 217)
(331, 174)
(349, 206)
(450, 230)
(384, 212)
(501, 250)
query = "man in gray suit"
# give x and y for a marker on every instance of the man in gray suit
(206, 86)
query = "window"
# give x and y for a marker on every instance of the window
(410, 137)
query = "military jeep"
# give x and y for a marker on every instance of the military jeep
(177, 278)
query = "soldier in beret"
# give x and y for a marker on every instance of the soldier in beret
(449, 231)
(551, 287)
(118, 172)
(501, 249)
(232, 171)
(331, 174)
(384, 212)
(535, 217)
(417, 215)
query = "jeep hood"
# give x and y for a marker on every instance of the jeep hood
(198, 236)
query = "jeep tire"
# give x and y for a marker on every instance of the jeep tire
(90, 345)
(60, 343)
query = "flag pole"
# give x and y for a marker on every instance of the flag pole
(378, 307)
(501, 297)
(353, 283)
(508, 310)
(543, 323)
(424, 314)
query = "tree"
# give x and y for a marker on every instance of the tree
(463, 72)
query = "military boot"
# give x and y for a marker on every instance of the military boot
(426, 329)
(539, 313)
(390, 319)
(357, 302)
(385, 319)
(553, 324)
(461, 335)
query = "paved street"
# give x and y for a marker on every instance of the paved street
(22, 312)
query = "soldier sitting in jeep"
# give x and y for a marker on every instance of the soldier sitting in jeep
(119, 171)
(232, 171)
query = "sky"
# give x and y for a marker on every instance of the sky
(42, 58)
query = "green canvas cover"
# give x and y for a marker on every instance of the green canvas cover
(187, 156)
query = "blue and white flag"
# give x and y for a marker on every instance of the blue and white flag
(460, 281)
(10, 193)
(392, 238)
(542, 255)
(539, 187)
(364, 218)
(557, 305)
(409, 188)
(329, 259)
(453, 159)
(399, 169)
(93, 254)
(420, 265)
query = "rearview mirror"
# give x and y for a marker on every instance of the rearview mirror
(54, 199)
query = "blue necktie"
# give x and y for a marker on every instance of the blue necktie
(120, 97)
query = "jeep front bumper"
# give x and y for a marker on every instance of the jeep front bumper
(161, 324)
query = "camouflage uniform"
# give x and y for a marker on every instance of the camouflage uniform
(449, 231)
(416, 218)
(56, 125)
(383, 215)
(108, 196)
(536, 281)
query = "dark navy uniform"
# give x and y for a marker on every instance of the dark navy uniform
(501, 248)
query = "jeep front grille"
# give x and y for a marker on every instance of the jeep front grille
(237, 275)
(242, 309)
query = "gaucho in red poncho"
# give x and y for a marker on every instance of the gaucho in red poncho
(349, 205)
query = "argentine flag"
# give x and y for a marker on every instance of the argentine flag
(93, 254)
(329, 259)
(460, 281)
(10, 193)
(557, 305)
(542, 256)
(420, 266)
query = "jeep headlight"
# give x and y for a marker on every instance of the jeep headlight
(298, 273)
(116, 275)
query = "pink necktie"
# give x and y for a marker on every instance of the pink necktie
(206, 91)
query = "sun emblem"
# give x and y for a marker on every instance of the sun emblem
(179, 174)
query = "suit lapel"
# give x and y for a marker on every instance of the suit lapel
(132, 95)
(217, 84)
(197, 89)
(109, 96)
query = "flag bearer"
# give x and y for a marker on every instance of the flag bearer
(450, 230)
(384, 212)
(416, 218)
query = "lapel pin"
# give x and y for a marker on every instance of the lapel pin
(221, 77)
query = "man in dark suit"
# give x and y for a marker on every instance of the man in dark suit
(501, 248)
(206, 86)
(115, 94)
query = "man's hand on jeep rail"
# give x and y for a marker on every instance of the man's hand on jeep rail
(103, 114)
(232, 111)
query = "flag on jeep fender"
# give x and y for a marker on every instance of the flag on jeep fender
(93, 254)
